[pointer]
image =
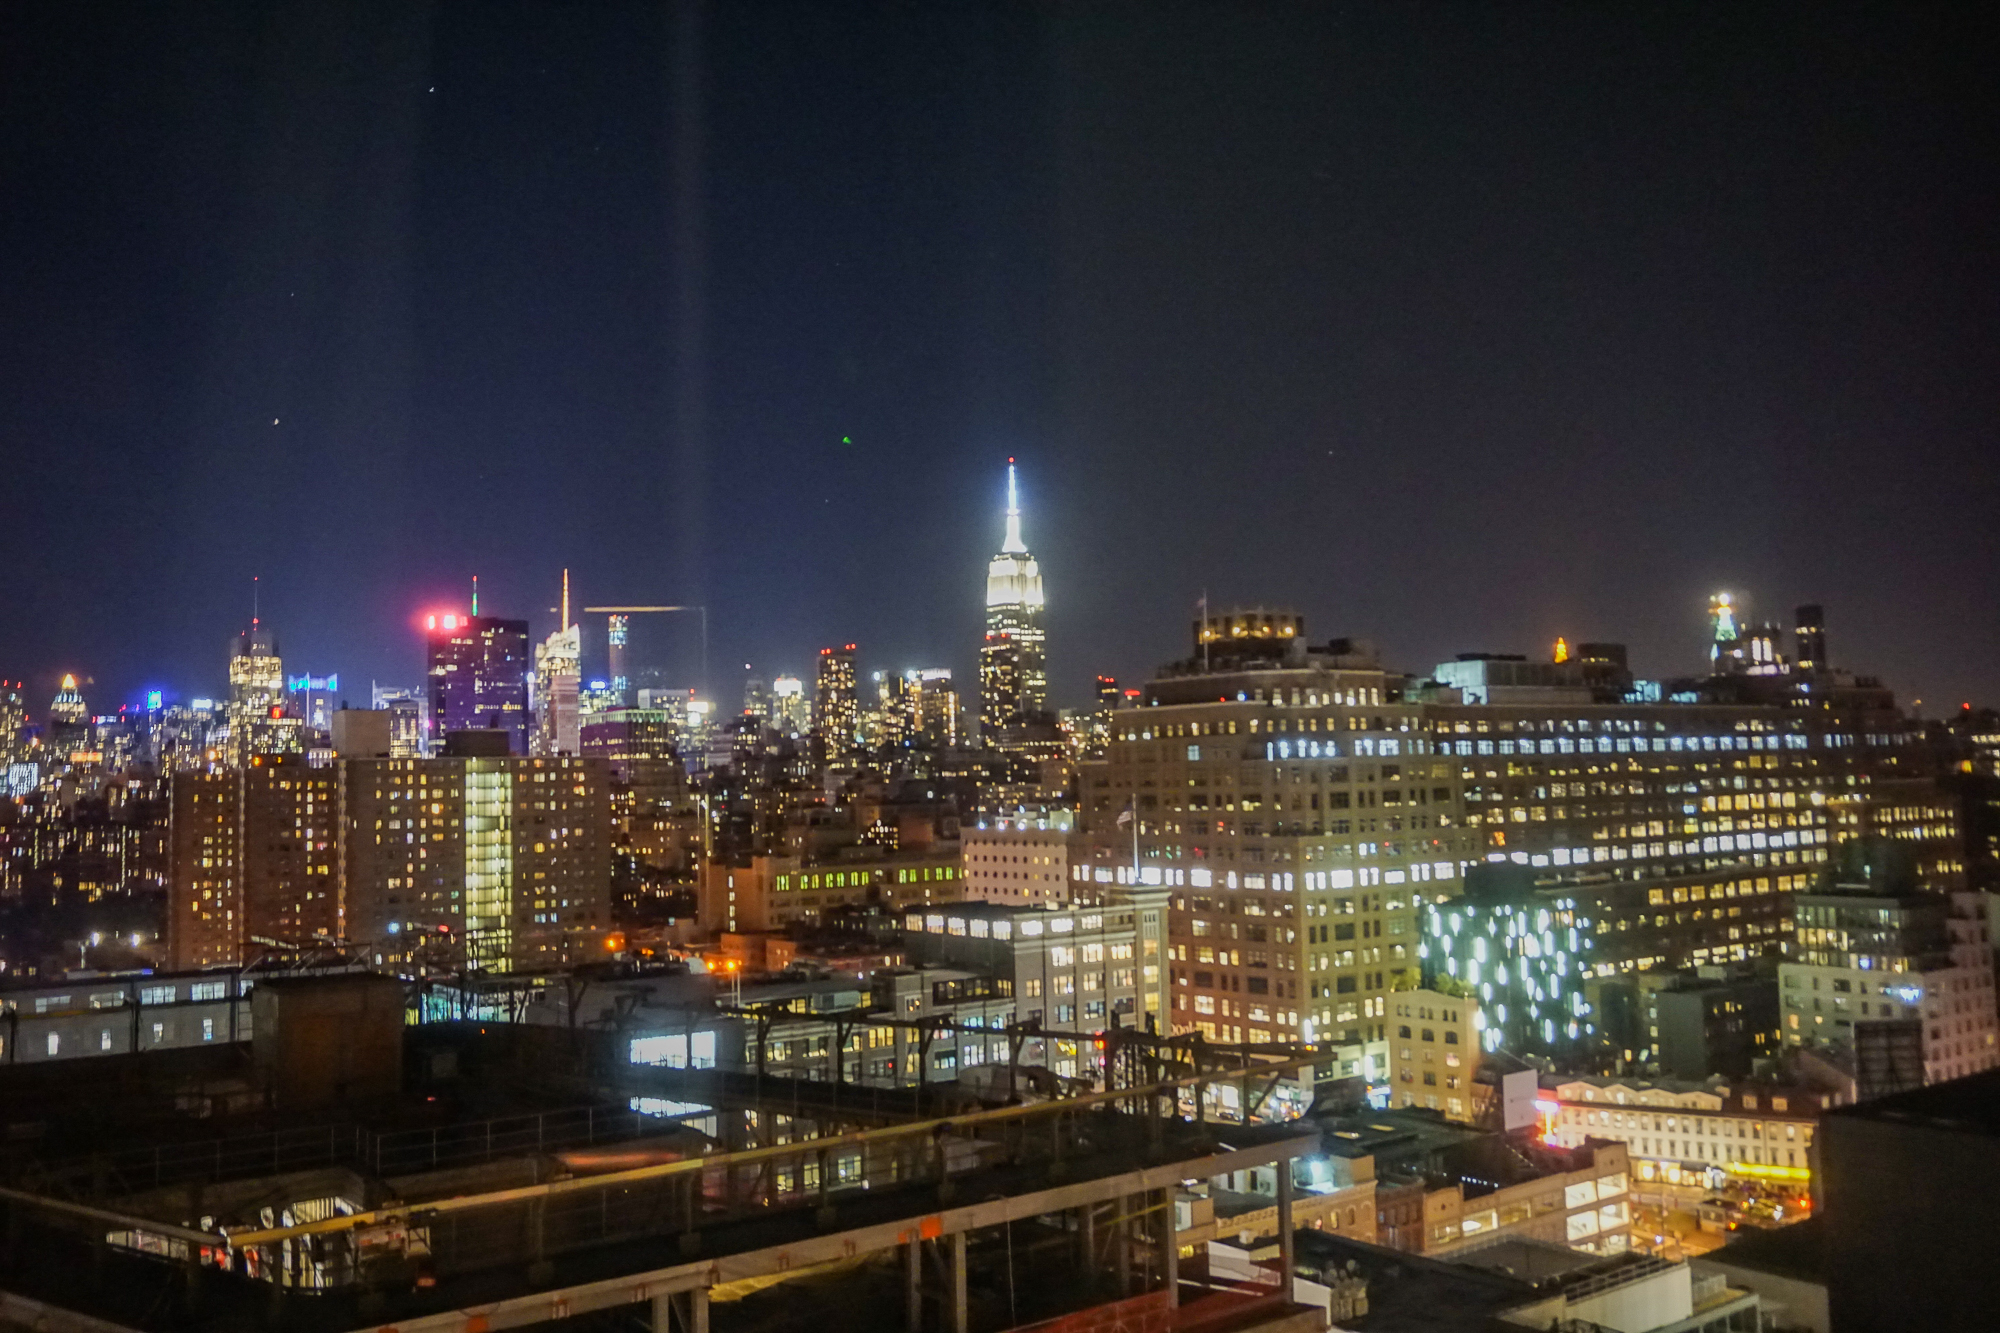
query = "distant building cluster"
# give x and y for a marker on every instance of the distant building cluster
(1647, 931)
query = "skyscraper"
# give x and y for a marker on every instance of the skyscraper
(1810, 636)
(933, 705)
(69, 722)
(558, 681)
(478, 668)
(620, 626)
(836, 708)
(791, 707)
(410, 729)
(258, 720)
(1013, 677)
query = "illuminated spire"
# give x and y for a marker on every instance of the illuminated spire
(565, 608)
(1013, 545)
(475, 594)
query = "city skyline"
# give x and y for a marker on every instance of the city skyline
(1413, 346)
(1694, 651)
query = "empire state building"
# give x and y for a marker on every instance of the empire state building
(1013, 680)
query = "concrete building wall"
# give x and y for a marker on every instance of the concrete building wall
(1024, 867)
(1433, 1051)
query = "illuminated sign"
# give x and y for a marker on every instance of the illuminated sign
(1758, 1169)
(296, 684)
(154, 700)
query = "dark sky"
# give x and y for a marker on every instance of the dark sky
(1457, 327)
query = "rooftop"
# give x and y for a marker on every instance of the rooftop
(1969, 1105)
(1408, 1293)
(1797, 1251)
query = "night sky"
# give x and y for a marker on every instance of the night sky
(1456, 327)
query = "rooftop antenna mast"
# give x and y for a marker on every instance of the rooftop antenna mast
(254, 608)
(565, 602)
(475, 595)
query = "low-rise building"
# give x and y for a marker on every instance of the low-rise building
(1440, 1186)
(1433, 1051)
(773, 892)
(122, 1013)
(1694, 1134)
(1080, 969)
(1017, 863)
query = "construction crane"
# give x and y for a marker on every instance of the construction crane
(619, 615)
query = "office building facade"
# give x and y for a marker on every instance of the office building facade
(478, 677)
(1271, 782)
(1878, 956)
(1079, 970)
(1018, 864)
(558, 678)
(1013, 671)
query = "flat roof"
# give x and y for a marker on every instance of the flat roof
(1409, 1293)
(1797, 1251)
(1969, 1105)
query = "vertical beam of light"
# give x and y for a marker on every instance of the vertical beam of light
(690, 376)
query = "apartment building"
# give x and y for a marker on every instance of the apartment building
(500, 863)
(253, 861)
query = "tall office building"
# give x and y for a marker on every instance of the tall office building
(933, 705)
(757, 700)
(1809, 638)
(558, 678)
(410, 722)
(618, 629)
(258, 720)
(791, 706)
(487, 862)
(650, 783)
(253, 861)
(13, 722)
(1013, 677)
(1307, 807)
(836, 715)
(478, 668)
(69, 723)
(1293, 804)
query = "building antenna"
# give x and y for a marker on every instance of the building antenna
(565, 605)
(253, 601)
(475, 595)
